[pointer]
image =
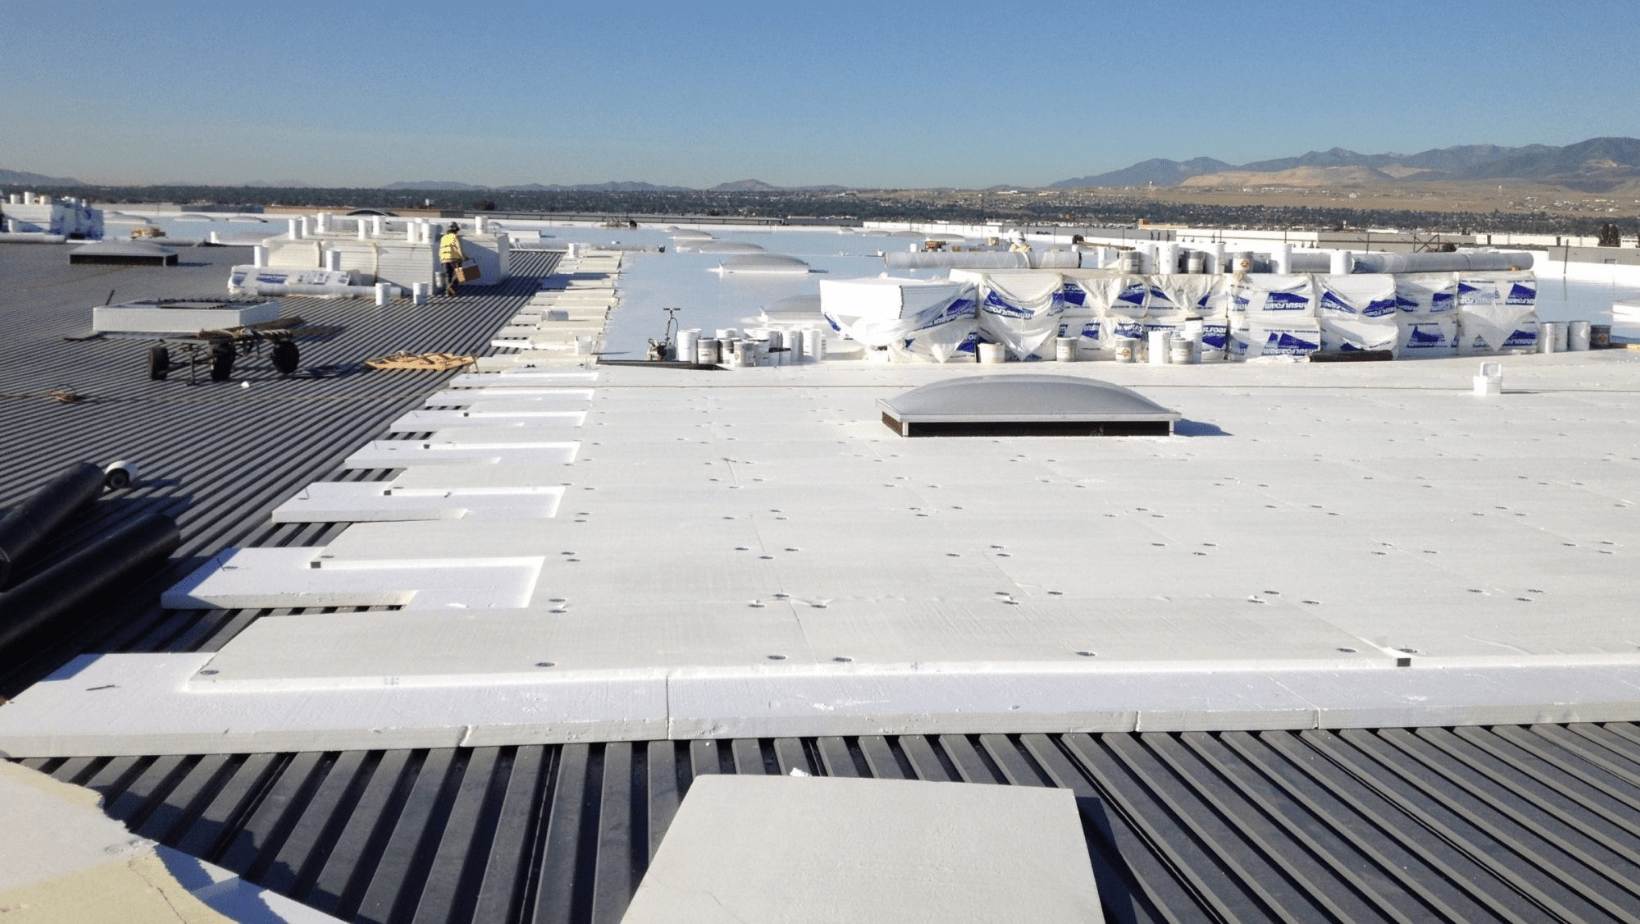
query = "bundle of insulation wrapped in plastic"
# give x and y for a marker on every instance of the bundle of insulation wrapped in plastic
(248, 281)
(1102, 306)
(1496, 311)
(1357, 312)
(1273, 314)
(1194, 306)
(1020, 310)
(916, 319)
(1426, 314)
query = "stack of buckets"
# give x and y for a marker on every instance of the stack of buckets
(763, 347)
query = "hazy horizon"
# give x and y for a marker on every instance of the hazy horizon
(903, 96)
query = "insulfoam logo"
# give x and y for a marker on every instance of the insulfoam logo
(1286, 342)
(1215, 336)
(995, 305)
(1075, 294)
(1133, 295)
(1409, 305)
(1441, 301)
(271, 280)
(236, 279)
(1476, 295)
(1521, 338)
(1521, 295)
(1286, 301)
(1378, 308)
(1089, 330)
(1421, 337)
(1332, 302)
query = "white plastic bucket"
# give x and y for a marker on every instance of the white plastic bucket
(1161, 342)
(992, 353)
(1184, 351)
(706, 352)
(1126, 349)
(814, 344)
(1064, 349)
(688, 340)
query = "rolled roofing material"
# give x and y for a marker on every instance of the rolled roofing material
(32, 522)
(972, 259)
(1458, 261)
(31, 237)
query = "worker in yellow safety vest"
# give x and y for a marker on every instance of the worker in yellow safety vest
(451, 255)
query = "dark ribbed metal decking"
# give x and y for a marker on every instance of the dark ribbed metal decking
(216, 456)
(1469, 824)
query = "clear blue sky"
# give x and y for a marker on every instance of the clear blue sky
(891, 93)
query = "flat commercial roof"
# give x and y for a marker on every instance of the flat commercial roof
(1350, 643)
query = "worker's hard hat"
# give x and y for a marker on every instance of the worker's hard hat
(454, 228)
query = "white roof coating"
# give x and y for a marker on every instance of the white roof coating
(752, 553)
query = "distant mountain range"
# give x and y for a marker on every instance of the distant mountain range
(613, 186)
(1596, 164)
(24, 178)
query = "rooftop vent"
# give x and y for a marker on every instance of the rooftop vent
(763, 263)
(1025, 405)
(124, 253)
(728, 247)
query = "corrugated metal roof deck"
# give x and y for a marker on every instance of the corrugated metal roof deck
(217, 457)
(1466, 824)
